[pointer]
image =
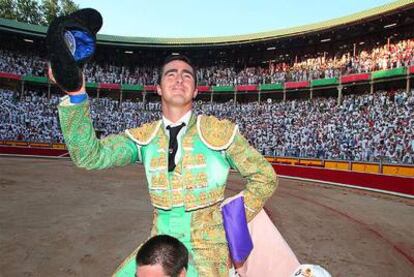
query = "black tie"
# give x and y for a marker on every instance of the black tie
(173, 146)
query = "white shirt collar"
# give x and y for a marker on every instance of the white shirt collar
(184, 119)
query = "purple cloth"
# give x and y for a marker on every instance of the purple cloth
(237, 233)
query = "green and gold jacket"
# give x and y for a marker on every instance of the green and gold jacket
(210, 147)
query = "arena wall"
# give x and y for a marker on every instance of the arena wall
(403, 186)
(307, 170)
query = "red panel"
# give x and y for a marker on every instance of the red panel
(109, 86)
(9, 76)
(411, 69)
(397, 184)
(34, 151)
(355, 78)
(303, 84)
(203, 88)
(150, 88)
(247, 88)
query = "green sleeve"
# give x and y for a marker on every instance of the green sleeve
(85, 149)
(261, 177)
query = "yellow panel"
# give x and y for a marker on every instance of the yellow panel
(365, 167)
(398, 170)
(58, 146)
(311, 162)
(287, 160)
(337, 165)
(37, 144)
(18, 143)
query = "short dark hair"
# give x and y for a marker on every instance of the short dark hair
(165, 250)
(180, 57)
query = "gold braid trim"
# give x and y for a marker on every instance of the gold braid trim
(215, 133)
(209, 242)
(144, 134)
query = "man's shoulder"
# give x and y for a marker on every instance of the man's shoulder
(145, 133)
(217, 134)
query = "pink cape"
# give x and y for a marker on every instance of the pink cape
(271, 255)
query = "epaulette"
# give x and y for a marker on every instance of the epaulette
(215, 133)
(144, 134)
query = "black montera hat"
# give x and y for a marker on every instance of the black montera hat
(71, 42)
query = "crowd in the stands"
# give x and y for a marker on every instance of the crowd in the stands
(383, 56)
(372, 127)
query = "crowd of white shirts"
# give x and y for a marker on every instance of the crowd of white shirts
(306, 68)
(365, 127)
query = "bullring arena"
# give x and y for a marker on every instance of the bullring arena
(329, 104)
(58, 220)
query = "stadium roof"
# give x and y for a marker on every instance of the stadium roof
(356, 18)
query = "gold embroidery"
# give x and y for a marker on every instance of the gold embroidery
(198, 180)
(158, 163)
(217, 134)
(186, 178)
(176, 182)
(178, 199)
(162, 140)
(209, 242)
(85, 150)
(146, 132)
(161, 200)
(188, 138)
(261, 177)
(186, 159)
(190, 199)
(201, 180)
(200, 159)
(159, 181)
(203, 199)
(194, 161)
(167, 199)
